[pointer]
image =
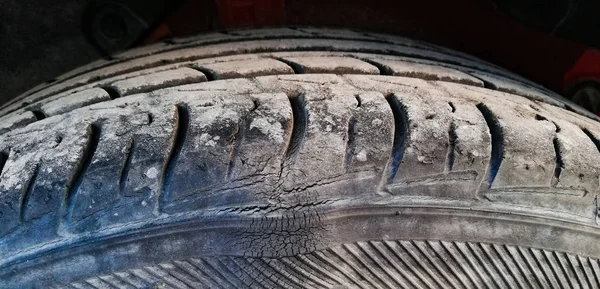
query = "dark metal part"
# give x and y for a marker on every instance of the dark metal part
(113, 26)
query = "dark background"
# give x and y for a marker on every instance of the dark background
(40, 39)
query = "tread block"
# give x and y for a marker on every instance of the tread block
(267, 125)
(336, 33)
(256, 144)
(203, 151)
(526, 145)
(324, 117)
(247, 68)
(446, 145)
(529, 155)
(379, 264)
(158, 80)
(16, 120)
(580, 158)
(74, 101)
(370, 133)
(100, 186)
(230, 86)
(424, 71)
(511, 86)
(332, 64)
(18, 170)
(35, 181)
(133, 156)
(295, 84)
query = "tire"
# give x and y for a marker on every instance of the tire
(297, 158)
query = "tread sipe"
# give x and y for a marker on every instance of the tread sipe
(297, 158)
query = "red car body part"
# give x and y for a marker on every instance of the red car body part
(586, 69)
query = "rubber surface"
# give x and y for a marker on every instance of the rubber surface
(323, 159)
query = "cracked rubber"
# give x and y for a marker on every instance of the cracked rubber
(297, 158)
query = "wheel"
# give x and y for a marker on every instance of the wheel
(297, 158)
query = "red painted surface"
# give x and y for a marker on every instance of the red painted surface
(249, 13)
(587, 68)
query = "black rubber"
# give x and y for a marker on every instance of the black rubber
(297, 158)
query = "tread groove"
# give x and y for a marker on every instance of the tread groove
(415, 271)
(414, 252)
(559, 163)
(301, 271)
(383, 69)
(351, 142)
(438, 267)
(487, 254)
(358, 100)
(595, 269)
(123, 175)
(468, 273)
(196, 270)
(112, 91)
(452, 139)
(179, 273)
(401, 135)
(297, 68)
(182, 122)
(27, 192)
(497, 136)
(38, 113)
(460, 59)
(484, 262)
(592, 138)
(452, 107)
(95, 130)
(567, 269)
(210, 75)
(585, 272)
(372, 253)
(528, 261)
(285, 274)
(344, 272)
(543, 269)
(278, 277)
(235, 142)
(315, 267)
(554, 267)
(125, 280)
(300, 119)
(502, 257)
(443, 263)
(4, 154)
(227, 271)
(471, 261)
(352, 250)
(211, 267)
